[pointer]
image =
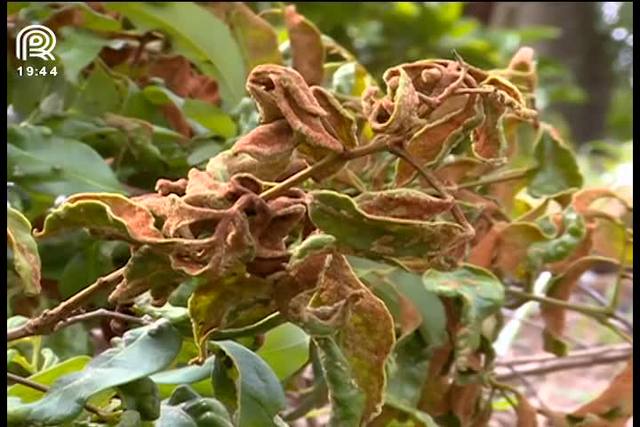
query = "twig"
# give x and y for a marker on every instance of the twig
(47, 321)
(617, 316)
(597, 312)
(371, 148)
(545, 357)
(101, 312)
(43, 388)
(541, 365)
(540, 326)
(505, 176)
(437, 185)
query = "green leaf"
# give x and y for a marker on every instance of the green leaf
(47, 377)
(84, 268)
(434, 320)
(557, 167)
(185, 408)
(234, 301)
(198, 35)
(481, 295)
(111, 214)
(259, 395)
(357, 323)
(285, 349)
(376, 236)
(256, 38)
(347, 400)
(210, 117)
(141, 395)
(42, 162)
(561, 247)
(95, 20)
(24, 250)
(102, 92)
(192, 374)
(116, 366)
(77, 49)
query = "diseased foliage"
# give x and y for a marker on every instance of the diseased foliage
(388, 224)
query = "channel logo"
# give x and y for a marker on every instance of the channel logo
(35, 41)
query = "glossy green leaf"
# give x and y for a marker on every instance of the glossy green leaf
(44, 163)
(47, 377)
(114, 367)
(285, 349)
(198, 376)
(186, 408)
(557, 169)
(24, 251)
(258, 393)
(481, 295)
(196, 34)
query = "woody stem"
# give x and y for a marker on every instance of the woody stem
(376, 146)
(437, 185)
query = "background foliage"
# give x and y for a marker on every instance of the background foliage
(147, 92)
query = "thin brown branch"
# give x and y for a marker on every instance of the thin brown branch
(374, 147)
(544, 364)
(43, 388)
(437, 185)
(96, 314)
(47, 321)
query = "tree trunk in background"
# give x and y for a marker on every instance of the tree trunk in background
(581, 46)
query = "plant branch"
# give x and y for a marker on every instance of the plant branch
(505, 176)
(101, 312)
(376, 145)
(598, 312)
(544, 364)
(43, 388)
(437, 185)
(48, 320)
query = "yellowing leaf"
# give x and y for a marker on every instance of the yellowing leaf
(233, 301)
(26, 259)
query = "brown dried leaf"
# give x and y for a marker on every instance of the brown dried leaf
(403, 204)
(561, 287)
(146, 270)
(614, 406)
(339, 122)
(436, 139)
(183, 80)
(488, 139)
(365, 333)
(482, 253)
(526, 413)
(307, 50)
(512, 248)
(281, 92)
